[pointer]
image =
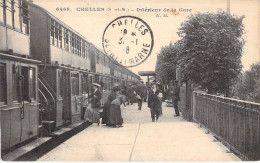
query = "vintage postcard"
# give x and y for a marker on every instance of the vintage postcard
(130, 81)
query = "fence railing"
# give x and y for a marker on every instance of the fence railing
(235, 122)
(185, 103)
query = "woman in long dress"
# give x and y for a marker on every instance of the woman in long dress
(106, 107)
(92, 111)
(115, 118)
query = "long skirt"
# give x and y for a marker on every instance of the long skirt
(115, 117)
(92, 114)
(105, 116)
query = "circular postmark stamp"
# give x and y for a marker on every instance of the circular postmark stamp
(128, 40)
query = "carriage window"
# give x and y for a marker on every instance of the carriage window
(87, 51)
(16, 15)
(2, 11)
(59, 87)
(3, 85)
(60, 36)
(25, 16)
(84, 84)
(76, 45)
(32, 83)
(105, 83)
(72, 43)
(15, 83)
(56, 33)
(90, 84)
(75, 84)
(66, 39)
(8, 4)
(25, 86)
(101, 60)
(79, 46)
(11, 11)
(97, 57)
(83, 49)
(96, 79)
(104, 60)
(51, 31)
(108, 84)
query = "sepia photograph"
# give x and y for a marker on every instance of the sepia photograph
(130, 81)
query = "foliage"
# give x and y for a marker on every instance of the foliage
(167, 63)
(247, 86)
(212, 49)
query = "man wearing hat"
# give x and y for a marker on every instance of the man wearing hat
(131, 95)
(154, 102)
(176, 97)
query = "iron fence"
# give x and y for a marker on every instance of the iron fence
(235, 122)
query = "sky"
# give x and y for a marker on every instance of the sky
(92, 24)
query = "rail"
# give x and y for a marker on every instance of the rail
(235, 122)
(46, 85)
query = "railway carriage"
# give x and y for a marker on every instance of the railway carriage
(19, 105)
(70, 65)
(66, 73)
(46, 69)
(117, 74)
(124, 74)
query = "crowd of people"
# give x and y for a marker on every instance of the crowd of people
(110, 111)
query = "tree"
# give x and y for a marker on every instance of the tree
(212, 50)
(247, 87)
(167, 63)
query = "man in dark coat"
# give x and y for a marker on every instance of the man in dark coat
(131, 95)
(134, 87)
(140, 95)
(147, 87)
(176, 97)
(124, 92)
(154, 102)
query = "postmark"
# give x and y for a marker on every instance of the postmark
(128, 40)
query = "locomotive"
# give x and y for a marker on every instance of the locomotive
(46, 68)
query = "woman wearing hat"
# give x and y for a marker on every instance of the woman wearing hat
(115, 116)
(106, 107)
(92, 111)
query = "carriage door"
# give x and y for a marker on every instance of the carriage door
(84, 81)
(96, 80)
(75, 97)
(65, 94)
(59, 103)
(90, 81)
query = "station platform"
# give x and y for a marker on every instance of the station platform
(168, 139)
(36, 148)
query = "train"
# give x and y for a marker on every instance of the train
(46, 68)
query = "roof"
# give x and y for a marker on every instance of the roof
(147, 73)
